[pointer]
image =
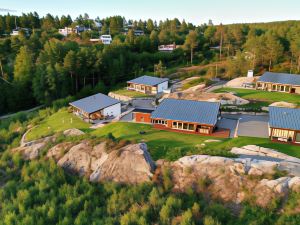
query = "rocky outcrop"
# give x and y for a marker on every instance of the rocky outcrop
(73, 132)
(263, 159)
(130, 164)
(231, 180)
(31, 150)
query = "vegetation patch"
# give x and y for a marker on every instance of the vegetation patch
(264, 96)
(59, 121)
(131, 94)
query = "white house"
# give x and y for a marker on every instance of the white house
(167, 48)
(15, 32)
(148, 84)
(106, 39)
(96, 107)
(66, 31)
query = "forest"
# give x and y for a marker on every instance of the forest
(47, 66)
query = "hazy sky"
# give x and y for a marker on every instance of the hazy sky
(196, 11)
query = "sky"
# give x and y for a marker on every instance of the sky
(195, 11)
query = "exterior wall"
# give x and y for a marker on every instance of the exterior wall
(114, 110)
(142, 88)
(284, 135)
(140, 117)
(297, 90)
(162, 86)
(277, 87)
(196, 128)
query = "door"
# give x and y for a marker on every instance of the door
(297, 137)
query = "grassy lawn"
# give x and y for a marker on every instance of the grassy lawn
(132, 94)
(57, 122)
(171, 145)
(161, 144)
(264, 96)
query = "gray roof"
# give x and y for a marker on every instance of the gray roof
(148, 80)
(94, 103)
(188, 111)
(280, 78)
(285, 118)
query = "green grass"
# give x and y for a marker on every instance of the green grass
(264, 96)
(193, 83)
(57, 122)
(131, 94)
(171, 145)
(161, 144)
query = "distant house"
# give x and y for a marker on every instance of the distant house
(284, 124)
(186, 116)
(167, 48)
(139, 33)
(148, 84)
(66, 31)
(106, 39)
(16, 32)
(96, 107)
(80, 29)
(279, 82)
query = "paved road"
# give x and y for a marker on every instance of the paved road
(228, 124)
(143, 103)
(251, 125)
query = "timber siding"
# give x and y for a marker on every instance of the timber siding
(279, 82)
(284, 125)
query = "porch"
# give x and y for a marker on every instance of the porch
(142, 88)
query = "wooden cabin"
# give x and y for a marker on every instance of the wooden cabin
(96, 107)
(148, 84)
(186, 116)
(279, 82)
(284, 124)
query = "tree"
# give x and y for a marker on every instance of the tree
(295, 49)
(187, 218)
(70, 66)
(191, 42)
(150, 26)
(274, 49)
(23, 69)
(154, 40)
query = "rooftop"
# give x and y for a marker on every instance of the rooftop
(94, 103)
(188, 111)
(280, 78)
(148, 80)
(286, 118)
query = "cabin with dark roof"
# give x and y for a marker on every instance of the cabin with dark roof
(279, 82)
(284, 124)
(96, 107)
(186, 116)
(148, 84)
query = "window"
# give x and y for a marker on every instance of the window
(179, 125)
(174, 125)
(287, 88)
(281, 88)
(191, 127)
(185, 126)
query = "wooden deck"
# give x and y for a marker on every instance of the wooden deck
(219, 133)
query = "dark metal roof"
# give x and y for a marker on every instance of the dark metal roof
(143, 110)
(188, 111)
(285, 118)
(94, 103)
(280, 78)
(148, 80)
